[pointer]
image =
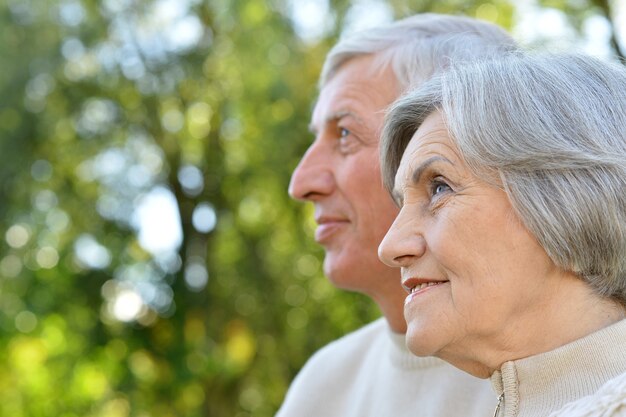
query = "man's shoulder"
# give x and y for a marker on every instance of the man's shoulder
(352, 345)
(366, 373)
(343, 355)
(324, 381)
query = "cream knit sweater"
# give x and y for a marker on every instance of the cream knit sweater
(585, 378)
(371, 373)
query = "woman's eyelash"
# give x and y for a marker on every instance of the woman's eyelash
(438, 186)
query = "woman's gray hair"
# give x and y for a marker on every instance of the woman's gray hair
(551, 129)
(418, 46)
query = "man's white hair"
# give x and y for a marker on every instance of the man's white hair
(418, 46)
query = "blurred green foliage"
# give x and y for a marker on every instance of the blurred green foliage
(107, 106)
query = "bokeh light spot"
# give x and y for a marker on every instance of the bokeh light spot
(17, 235)
(199, 119)
(72, 49)
(251, 398)
(47, 257)
(127, 305)
(199, 113)
(190, 178)
(143, 366)
(45, 200)
(240, 343)
(71, 13)
(192, 396)
(312, 18)
(307, 265)
(90, 253)
(27, 354)
(297, 318)
(278, 54)
(281, 110)
(25, 321)
(53, 335)
(117, 407)
(488, 12)
(10, 266)
(196, 276)
(173, 120)
(295, 295)
(57, 220)
(204, 218)
(157, 219)
(245, 304)
(41, 170)
(90, 381)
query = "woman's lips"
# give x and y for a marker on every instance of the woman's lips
(422, 288)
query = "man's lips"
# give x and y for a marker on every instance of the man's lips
(327, 227)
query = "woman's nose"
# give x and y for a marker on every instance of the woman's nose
(403, 244)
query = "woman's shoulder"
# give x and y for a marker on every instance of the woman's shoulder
(608, 401)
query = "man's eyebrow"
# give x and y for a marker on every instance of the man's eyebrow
(416, 176)
(333, 117)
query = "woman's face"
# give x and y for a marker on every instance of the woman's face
(477, 278)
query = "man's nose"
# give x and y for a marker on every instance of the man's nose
(403, 244)
(313, 177)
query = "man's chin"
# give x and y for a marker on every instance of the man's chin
(339, 273)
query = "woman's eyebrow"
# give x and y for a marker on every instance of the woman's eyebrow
(416, 176)
(419, 170)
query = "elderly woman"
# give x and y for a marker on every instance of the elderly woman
(511, 179)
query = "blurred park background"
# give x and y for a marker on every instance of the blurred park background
(151, 262)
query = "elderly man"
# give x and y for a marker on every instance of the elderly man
(370, 372)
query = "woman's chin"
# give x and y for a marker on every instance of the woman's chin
(421, 341)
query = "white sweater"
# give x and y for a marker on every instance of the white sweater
(370, 372)
(585, 378)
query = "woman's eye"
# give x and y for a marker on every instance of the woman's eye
(343, 132)
(439, 187)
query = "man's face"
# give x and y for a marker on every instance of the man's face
(340, 175)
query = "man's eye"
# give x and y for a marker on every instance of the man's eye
(347, 141)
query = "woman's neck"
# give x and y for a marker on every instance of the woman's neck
(575, 312)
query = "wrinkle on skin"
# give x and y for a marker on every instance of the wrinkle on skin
(503, 293)
(340, 175)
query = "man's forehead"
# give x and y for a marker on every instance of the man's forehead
(338, 97)
(358, 80)
(332, 117)
(357, 104)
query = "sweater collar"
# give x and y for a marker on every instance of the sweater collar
(540, 384)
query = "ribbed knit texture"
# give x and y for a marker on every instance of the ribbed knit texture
(609, 401)
(542, 384)
(371, 373)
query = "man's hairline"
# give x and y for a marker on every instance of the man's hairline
(374, 70)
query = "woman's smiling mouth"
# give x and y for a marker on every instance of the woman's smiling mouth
(418, 287)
